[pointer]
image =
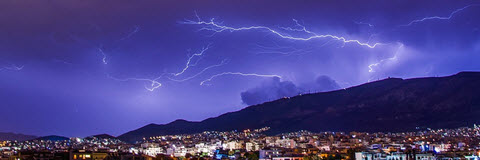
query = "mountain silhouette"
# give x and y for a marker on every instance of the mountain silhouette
(8, 136)
(389, 105)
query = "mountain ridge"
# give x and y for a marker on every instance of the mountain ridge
(52, 138)
(10, 136)
(391, 104)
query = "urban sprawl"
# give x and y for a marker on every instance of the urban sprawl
(424, 144)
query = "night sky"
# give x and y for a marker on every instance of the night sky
(77, 68)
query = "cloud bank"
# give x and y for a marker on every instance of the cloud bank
(275, 88)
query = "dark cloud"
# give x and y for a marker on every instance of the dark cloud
(324, 83)
(275, 88)
(269, 90)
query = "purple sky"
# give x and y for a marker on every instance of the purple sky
(77, 68)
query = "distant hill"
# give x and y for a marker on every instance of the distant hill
(52, 138)
(392, 104)
(103, 136)
(15, 136)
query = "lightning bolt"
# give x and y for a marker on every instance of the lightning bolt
(237, 73)
(104, 56)
(363, 23)
(154, 84)
(285, 50)
(12, 67)
(373, 65)
(61, 61)
(439, 17)
(100, 50)
(135, 30)
(199, 73)
(307, 35)
(188, 65)
(218, 28)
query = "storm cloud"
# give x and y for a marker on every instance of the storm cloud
(275, 88)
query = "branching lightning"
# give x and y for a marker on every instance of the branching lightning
(439, 17)
(100, 48)
(373, 65)
(191, 61)
(218, 28)
(188, 65)
(237, 73)
(296, 32)
(154, 84)
(199, 73)
(215, 27)
(283, 33)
